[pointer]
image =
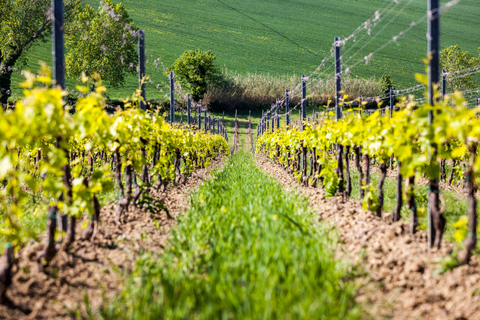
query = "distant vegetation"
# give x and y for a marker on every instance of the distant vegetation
(255, 91)
(283, 40)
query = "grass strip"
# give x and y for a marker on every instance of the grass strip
(245, 250)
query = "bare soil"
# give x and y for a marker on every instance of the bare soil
(401, 274)
(95, 270)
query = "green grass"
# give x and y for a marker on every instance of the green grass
(283, 38)
(455, 203)
(245, 250)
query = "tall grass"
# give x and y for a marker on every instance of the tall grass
(245, 250)
(257, 91)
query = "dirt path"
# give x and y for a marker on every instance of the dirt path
(95, 270)
(401, 280)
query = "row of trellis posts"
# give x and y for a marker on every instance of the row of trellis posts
(271, 118)
(210, 123)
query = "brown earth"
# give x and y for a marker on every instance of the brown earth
(95, 270)
(402, 279)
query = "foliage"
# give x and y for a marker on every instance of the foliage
(454, 59)
(197, 69)
(23, 23)
(453, 135)
(243, 39)
(253, 91)
(461, 228)
(449, 263)
(386, 83)
(370, 200)
(107, 37)
(40, 124)
(245, 250)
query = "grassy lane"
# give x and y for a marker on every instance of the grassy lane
(245, 250)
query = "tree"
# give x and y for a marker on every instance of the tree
(385, 84)
(23, 22)
(197, 69)
(102, 42)
(454, 59)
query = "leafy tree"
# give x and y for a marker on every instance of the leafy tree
(197, 69)
(23, 22)
(454, 59)
(103, 42)
(385, 84)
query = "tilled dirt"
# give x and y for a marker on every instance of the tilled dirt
(95, 270)
(402, 279)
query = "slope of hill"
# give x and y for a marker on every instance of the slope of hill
(285, 37)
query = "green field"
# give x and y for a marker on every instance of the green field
(286, 37)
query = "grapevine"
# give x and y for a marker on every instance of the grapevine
(72, 157)
(406, 137)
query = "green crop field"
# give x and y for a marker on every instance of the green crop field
(286, 37)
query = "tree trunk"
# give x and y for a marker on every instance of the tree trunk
(118, 172)
(177, 163)
(398, 206)
(128, 183)
(341, 178)
(366, 159)
(314, 167)
(6, 266)
(91, 230)
(50, 251)
(438, 225)
(443, 175)
(381, 195)
(145, 176)
(471, 240)
(6, 71)
(347, 167)
(360, 172)
(297, 163)
(70, 235)
(412, 206)
(304, 166)
(452, 172)
(123, 202)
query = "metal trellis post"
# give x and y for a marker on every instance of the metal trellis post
(172, 98)
(338, 78)
(141, 75)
